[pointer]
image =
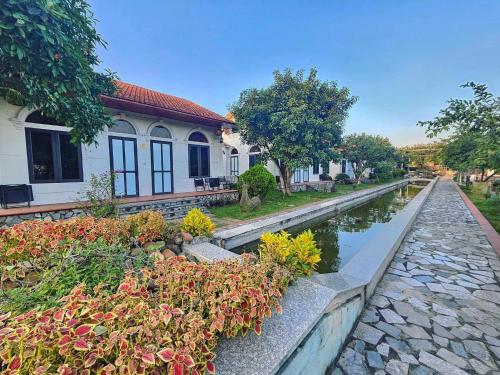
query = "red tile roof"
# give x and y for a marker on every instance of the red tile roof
(138, 99)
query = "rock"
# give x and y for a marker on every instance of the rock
(446, 321)
(420, 319)
(419, 344)
(479, 366)
(422, 370)
(440, 340)
(397, 345)
(154, 246)
(352, 362)
(255, 203)
(47, 219)
(368, 333)
(439, 365)
(414, 331)
(167, 253)
(156, 256)
(480, 351)
(452, 358)
(383, 349)
(488, 295)
(403, 308)
(186, 237)
(359, 346)
(374, 359)
(388, 328)
(379, 301)
(458, 349)
(395, 367)
(440, 309)
(391, 317)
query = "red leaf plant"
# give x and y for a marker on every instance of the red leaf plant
(164, 321)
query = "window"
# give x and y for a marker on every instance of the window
(122, 126)
(52, 157)
(234, 169)
(160, 132)
(253, 157)
(305, 175)
(344, 165)
(198, 137)
(199, 161)
(296, 175)
(315, 166)
(123, 161)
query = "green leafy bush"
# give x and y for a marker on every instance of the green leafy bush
(147, 226)
(384, 171)
(342, 178)
(91, 264)
(197, 223)
(300, 254)
(166, 321)
(399, 173)
(259, 180)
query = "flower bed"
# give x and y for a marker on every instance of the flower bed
(125, 314)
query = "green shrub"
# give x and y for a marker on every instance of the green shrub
(98, 198)
(299, 255)
(398, 173)
(259, 180)
(342, 178)
(90, 264)
(197, 223)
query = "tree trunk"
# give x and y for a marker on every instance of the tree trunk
(482, 174)
(285, 179)
(490, 176)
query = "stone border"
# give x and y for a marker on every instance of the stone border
(242, 234)
(490, 232)
(318, 313)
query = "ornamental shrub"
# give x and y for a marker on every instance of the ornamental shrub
(259, 180)
(147, 226)
(384, 171)
(166, 321)
(197, 223)
(342, 178)
(98, 197)
(300, 254)
(399, 173)
(32, 240)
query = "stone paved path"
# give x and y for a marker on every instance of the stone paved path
(437, 308)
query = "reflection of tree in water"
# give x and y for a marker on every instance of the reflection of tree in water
(358, 219)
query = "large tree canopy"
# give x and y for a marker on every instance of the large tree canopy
(295, 121)
(47, 56)
(472, 123)
(367, 151)
(421, 154)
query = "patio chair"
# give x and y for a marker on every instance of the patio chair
(199, 183)
(214, 183)
(223, 182)
(15, 194)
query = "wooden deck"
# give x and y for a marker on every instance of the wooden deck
(72, 205)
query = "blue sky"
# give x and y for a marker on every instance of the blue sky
(403, 59)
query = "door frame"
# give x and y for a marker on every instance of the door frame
(110, 140)
(152, 166)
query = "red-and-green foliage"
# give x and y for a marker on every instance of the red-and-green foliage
(166, 321)
(34, 239)
(147, 226)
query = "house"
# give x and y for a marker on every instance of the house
(157, 145)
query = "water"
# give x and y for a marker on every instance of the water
(341, 236)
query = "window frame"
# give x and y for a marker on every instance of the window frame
(125, 171)
(305, 172)
(236, 171)
(296, 173)
(152, 142)
(315, 166)
(56, 156)
(198, 147)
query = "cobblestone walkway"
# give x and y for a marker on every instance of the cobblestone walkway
(437, 308)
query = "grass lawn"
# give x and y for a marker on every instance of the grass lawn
(276, 202)
(490, 208)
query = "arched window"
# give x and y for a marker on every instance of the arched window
(38, 117)
(253, 157)
(198, 156)
(160, 132)
(122, 126)
(234, 169)
(198, 137)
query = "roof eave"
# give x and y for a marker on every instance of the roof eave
(127, 105)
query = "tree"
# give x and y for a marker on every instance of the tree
(366, 151)
(47, 55)
(478, 118)
(295, 121)
(420, 155)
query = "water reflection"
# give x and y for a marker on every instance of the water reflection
(341, 236)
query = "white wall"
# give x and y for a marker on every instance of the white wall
(233, 140)
(95, 159)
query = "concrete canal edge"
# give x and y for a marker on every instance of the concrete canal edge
(242, 234)
(318, 313)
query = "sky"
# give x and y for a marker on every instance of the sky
(403, 59)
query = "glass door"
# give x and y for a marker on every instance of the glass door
(123, 155)
(161, 167)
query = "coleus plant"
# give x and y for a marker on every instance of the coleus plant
(167, 320)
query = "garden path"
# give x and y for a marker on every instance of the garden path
(437, 308)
